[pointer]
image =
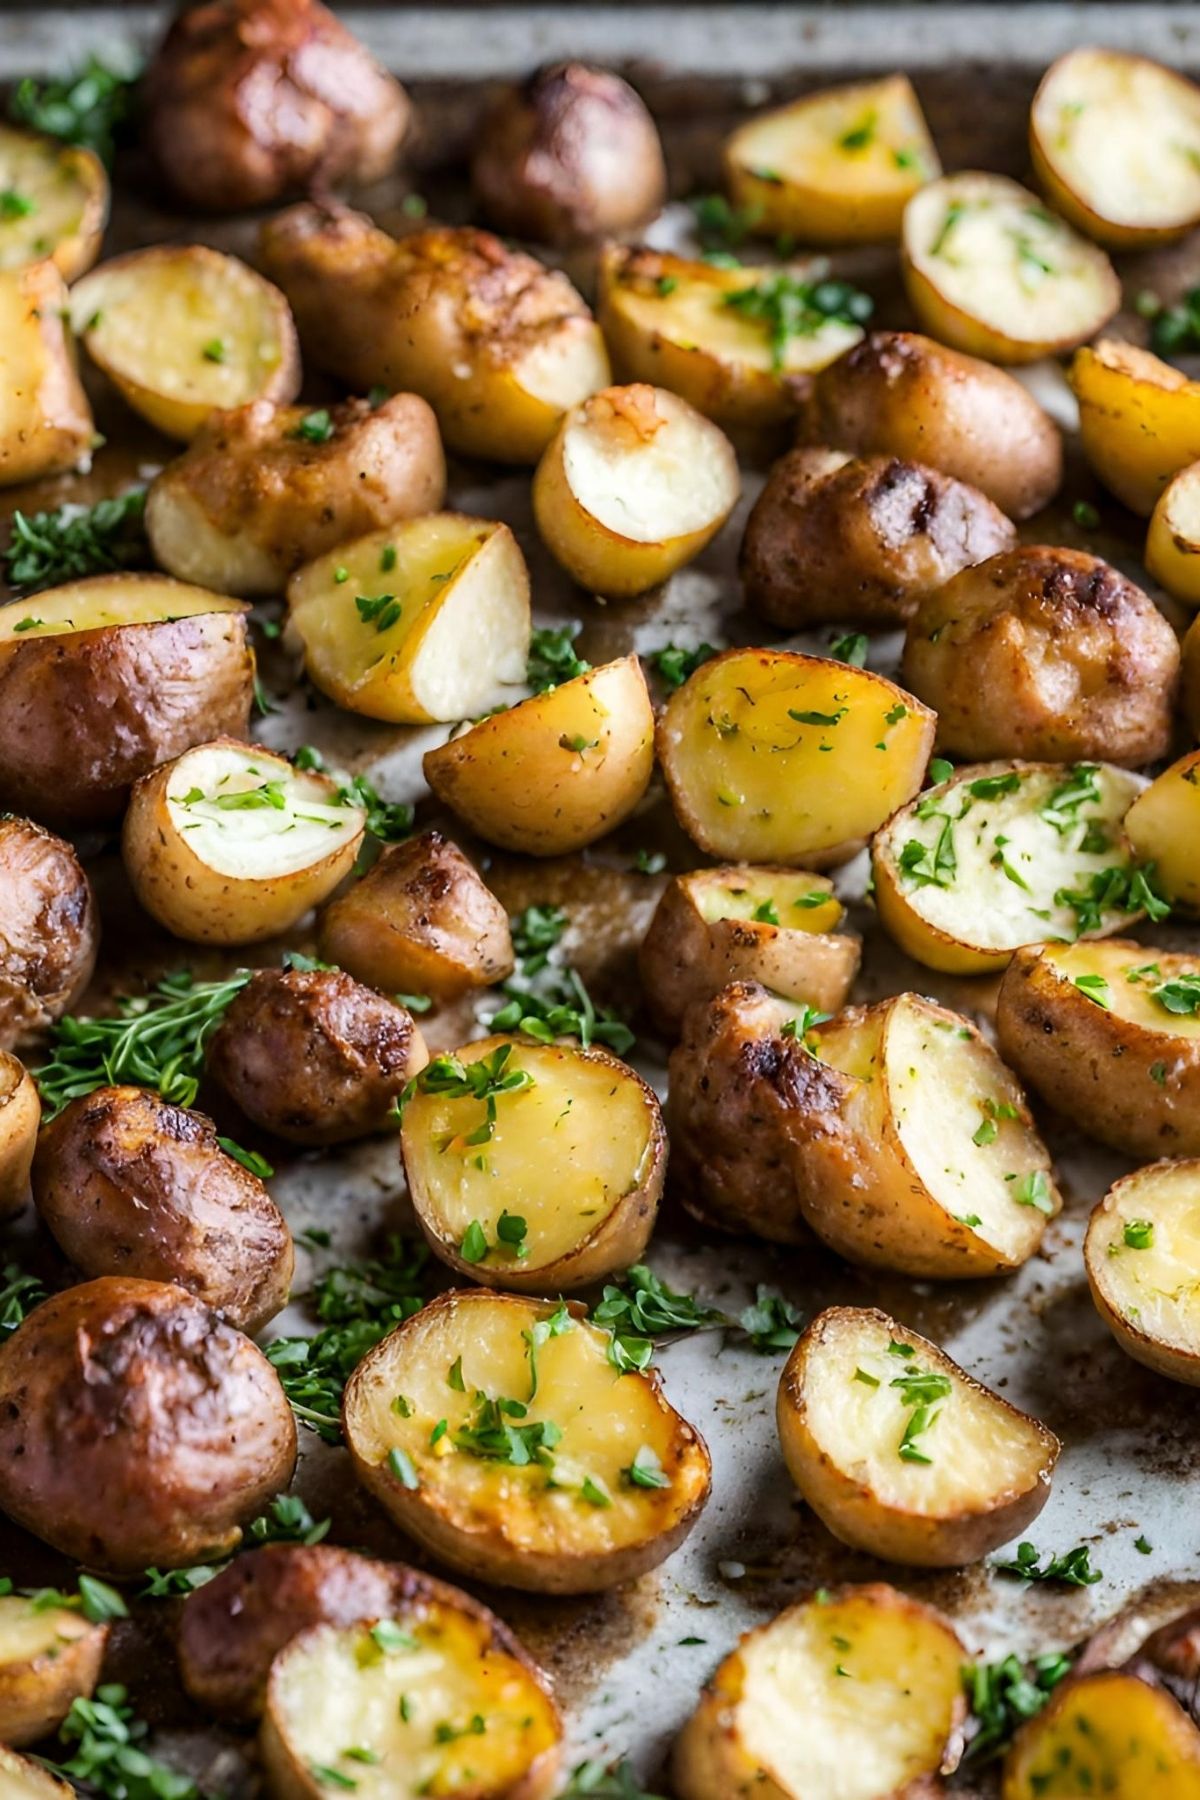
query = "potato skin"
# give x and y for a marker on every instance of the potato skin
(136, 1428)
(49, 930)
(130, 1185)
(248, 100)
(20, 1115)
(37, 1694)
(315, 1056)
(46, 425)
(863, 539)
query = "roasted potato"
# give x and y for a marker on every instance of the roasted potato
(500, 346)
(45, 421)
(864, 539)
(1172, 553)
(770, 756)
(781, 927)
(1115, 142)
(56, 203)
(1109, 1035)
(249, 100)
(855, 1691)
(136, 1428)
(313, 1056)
(50, 1656)
(559, 770)
(1139, 419)
(183, 331)
(427, 619)
(1006, 854)
(634, 483)
(900, 394)
(1163, 826)
(630, 1475)
(264, 488)
(25, 1778)
(20, 1114)
(568, 155)
(837, 166)
(901, 1453)
(1106, 1733)
(49, 930)
(1045, 653)
(1143, 1266)
(421, 921)
(102, 680)
(990, 271)
(1191, 677)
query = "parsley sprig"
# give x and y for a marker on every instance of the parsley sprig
(546, 999)
(110, 1758)
(1073, 1569)
(388, 820)
(641, 1309)
(552, 658)
(1002, 1695)
(674, 666)
(19, 1294)
(90, 107)
(48, 548)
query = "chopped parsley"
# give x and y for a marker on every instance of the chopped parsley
(91, 107)
(552, 659)
(788, 308)
(314, 428)
(1096, 988)
(1003, 1695)
(49, 548)
(674, 666)
(1072, 1570)
(1139, 1234)
(484, 1079)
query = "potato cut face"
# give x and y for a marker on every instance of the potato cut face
(252, 816)
(22, 1778)
(563, 1150)
(647, 466)
(1156, 991)
(1143, 1253)
(46, 200)
(1172, 553)
(794, 902)
(1107, 1733)
(28, 1632)
(1163, 825)
(105, 601)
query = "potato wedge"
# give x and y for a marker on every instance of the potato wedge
(49, 930)
(990, 271)
(1142, 1256)
(1005, 854)
(183, 331)
(55, 203)
(1190, 684)
(835, 167)
(1115, 142)
(630, 1475)
(900, 394)
(901, 1453)
(633, 485)
(855, 1692)
(781, 927)
(557, 771)
(25, 1778)
(20, 1116)
(50, 1656)
(770, 756)
(1172, 553)
(500, 346)
(1139, 419)
(1109, 1035)
(231, 844)
(544, 1174)
(1163, 826)
(1107, 1733)
(45, 421)
(427, 619)
(106, 678)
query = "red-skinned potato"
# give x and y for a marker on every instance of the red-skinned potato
(49, 930)
(20, 1114)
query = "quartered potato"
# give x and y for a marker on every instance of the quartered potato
(230, 844)
(1142, 1255)
(1190, 684)
(900, 1452)
(837, 166)
(426, 619)
(546, 1177)
(1115, 141)
(781, 927)
(774, 757)
(182, 331)
(25, 1778)
(497, 1433)
(1139, 419)
(1172, 553)
(1109, 1034)
(50, 1656)
(1005, 854)
(20, 1116)
(45, 421)
(633, 485)
(1163, 826)
(557, 771)
(55, 203)
(855, 1692)
(1107, 1733)
(49, 930)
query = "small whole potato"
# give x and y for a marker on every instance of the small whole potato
(1048, 654)
(570, 154)
(861, 539)
(136, 1428)
(130, 1185)
(49, 930)
(314, 1056)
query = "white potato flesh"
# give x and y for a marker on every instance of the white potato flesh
(564, 367)
(1173, 538)
(106, 601)
(27, 1632)
(43, 199)
(252, 816)
(21, 1778)
(795, 902)
(1143, 1252)
(1163, 825)
(1131, 987)
(665, 474)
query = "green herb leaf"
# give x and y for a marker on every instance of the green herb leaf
(91, 108)
(772, 1323)
(1003, 1695)
(50, 548)
(287, 1521)
(1072, 1570)
(1139, 1234)
(674, 665)
(552, 658)
(315, 427)
(787, 308)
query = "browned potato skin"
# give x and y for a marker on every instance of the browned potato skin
(861, 539)
(1191, 677)
(131, 1185)
(136, 1428)
(248, 100)
(49, 930)
(421, 921)
(571, 154)
(1046, 654)
(900, 394)
(37, 1695)
(315, 1056)
(58, 432)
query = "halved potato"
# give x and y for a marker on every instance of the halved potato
(551, 1185)
(1142, 1255)
(1107, 1733)
(426, 619)
(45, 421)
(552, 1472)
(1005, 854)
(55, 202)
(633, 484)
(770, 756)
(230, 844)
(1115, 141)
(1190, 682)
(990, 271)
(24, 1778)
(1139, 419)
(1172, 553)
(49, 931)
(900, 1452)
(559, 770)
(183, 331)
(836, 166)
(50, 1656)
(20, 1116)
(855, 1692)
(105, 679)
(1163, 826)
(1109, 1035)
(778, 926)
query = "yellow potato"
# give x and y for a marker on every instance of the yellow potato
(1139, 419)
(1190, 677)
(1107, 1733)
(25, 1778)
(1172, 553)
(54, 202)
(1163, 826)
(1142, 1255)
(45, 421)
(20, 1116)
(50, 1656)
